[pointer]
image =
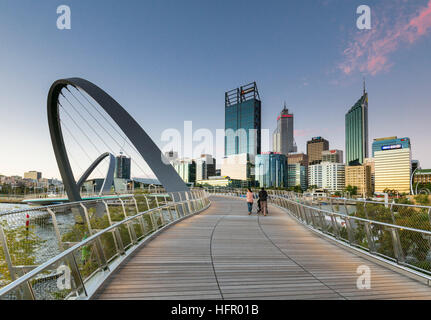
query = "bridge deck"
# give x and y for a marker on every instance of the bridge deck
(223, 253)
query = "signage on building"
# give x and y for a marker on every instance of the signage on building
(391, 147)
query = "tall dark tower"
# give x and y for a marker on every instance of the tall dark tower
(357, 131)
(122, 167)
(243, 120)
(282, 138)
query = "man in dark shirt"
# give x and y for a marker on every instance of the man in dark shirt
(263, 197)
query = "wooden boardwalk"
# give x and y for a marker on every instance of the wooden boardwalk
(223, 253)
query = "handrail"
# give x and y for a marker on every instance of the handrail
(406, 248)
(195, 202)
(60, 205)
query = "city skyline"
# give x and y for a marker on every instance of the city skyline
(139, 73)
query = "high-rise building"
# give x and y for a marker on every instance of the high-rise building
(335, 156)
(186, 169)
(271, 170)
(243, 120)
(393, 163)
(122, 167)
(360, 176)
(238, 166)
(357, 131)
(300, 158)
(327, 175)
(205, 167)
(315, 146)
(297, 176)
(33, 175)
(422, 176)
(282, 138)
(380, 144)
(370, 162)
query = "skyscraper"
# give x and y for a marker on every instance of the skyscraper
(243, 120)
(205, 167)
(122, 167)
(315, 146)
(335, 156)
(282, 138)
(393, 164)
(271, 170)
(357, 131)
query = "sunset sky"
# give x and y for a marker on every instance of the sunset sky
(168, 62)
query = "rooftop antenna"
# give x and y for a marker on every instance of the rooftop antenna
(364, 86)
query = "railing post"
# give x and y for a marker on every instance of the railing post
(57, 231)
(129, 225)
(370, 238)
(398, 250)
(76, 275)
(349, 228)
(99, 247)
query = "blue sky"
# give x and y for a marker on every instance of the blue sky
(171, 61)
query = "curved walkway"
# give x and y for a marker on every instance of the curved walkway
(223, 253)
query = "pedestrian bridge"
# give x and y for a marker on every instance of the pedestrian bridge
(223, 253)
(210, 248)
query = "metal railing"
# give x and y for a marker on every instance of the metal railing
(398, 233)
(67, 251)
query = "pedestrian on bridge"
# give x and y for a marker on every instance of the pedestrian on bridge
(263, 197)
(249, 200)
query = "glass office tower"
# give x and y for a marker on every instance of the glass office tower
(271, 170)
(357, 131)
(243, 120)
(122, 167)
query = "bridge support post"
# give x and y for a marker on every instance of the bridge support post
(99, 248)
(57, 231)
(398, 250)
(370, 238)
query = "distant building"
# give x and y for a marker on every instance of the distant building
(243, 120)
(327, 175)
(223, 181)
(390, 143)
(422, 176)
(360, 176)
(393, 162)
(297, 175)
(33, 175)
(238, 166)
(205, 167)
(300, 158)
(186, 169)
(282, 138)
(315, 146)
(271, 170)
(122, 167)
(356, 125)
(370, 162)
(171, 155)
(335, 156)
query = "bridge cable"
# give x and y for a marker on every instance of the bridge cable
(103, 128)
(80, 129)
(106, 119)
(63, 124)
(290, 258)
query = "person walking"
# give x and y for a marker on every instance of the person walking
(249, 200)
(263, 197)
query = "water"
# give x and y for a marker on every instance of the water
(45, 231)
(13, 206)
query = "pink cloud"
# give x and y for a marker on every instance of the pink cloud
(369, 51)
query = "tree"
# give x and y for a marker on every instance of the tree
(352, 190)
